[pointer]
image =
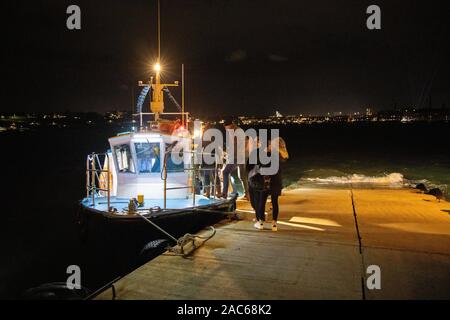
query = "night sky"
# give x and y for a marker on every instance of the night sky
(243, 57)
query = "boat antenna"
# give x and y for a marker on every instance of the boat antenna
(157, 104)
(159, 31)
(183, 121)
(157, 88)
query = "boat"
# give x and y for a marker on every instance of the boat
(137, 190)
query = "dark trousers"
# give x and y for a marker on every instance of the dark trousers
(258, 201)
(275, 208)
(209, 175)
(229, 168)
(243, 174)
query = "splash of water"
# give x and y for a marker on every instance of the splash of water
(390, 180)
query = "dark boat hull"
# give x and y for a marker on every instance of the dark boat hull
(113, 245)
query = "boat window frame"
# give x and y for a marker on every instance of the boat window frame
(183, 165)
(116, 160)
(161, 151)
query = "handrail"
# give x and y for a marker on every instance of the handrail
(195, 170)
(142, 114)
(95, 172)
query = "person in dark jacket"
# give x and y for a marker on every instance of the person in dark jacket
(261, 187)
(276, 181)
(276, 185)
(231, 166)
(211, 172)
(257, 191)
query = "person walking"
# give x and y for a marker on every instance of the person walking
(228, 169)
(211, 179)
(261, 187)
(243, 173)
(231, 164)
(258, 190)
(210, 171)
(276, 181)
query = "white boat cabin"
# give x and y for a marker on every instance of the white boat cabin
(137, 162)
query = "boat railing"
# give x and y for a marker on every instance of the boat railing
(195, 171)
(98, 177)
(184, 116)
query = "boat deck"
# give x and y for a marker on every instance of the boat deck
(326, 240)
(121, 204)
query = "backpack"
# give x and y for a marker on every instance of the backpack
(256, 181)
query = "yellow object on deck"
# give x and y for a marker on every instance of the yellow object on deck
(140, 199)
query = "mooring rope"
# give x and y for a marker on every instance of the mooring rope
(159, 228)
(181, 242)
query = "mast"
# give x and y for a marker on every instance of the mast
(182, 96)
(159, 31)
(157, 98)
(157, 103)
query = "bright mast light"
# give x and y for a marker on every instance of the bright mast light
(157, 67)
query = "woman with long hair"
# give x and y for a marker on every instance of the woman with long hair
(261, 187)
(276, 181)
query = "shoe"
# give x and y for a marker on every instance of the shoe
(274, 227)
(259, 225)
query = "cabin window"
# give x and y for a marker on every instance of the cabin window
(148, 157)
(174, 166)
(124, 159)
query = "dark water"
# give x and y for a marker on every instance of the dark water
(43, 177)
(374, 152)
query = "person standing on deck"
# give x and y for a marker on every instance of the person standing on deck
(276, 181)
(258, 190)
(261, 187)
(231, 164)
(211, 173)
(243, 173)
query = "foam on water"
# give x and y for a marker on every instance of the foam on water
(392, 180)
(389, 180)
